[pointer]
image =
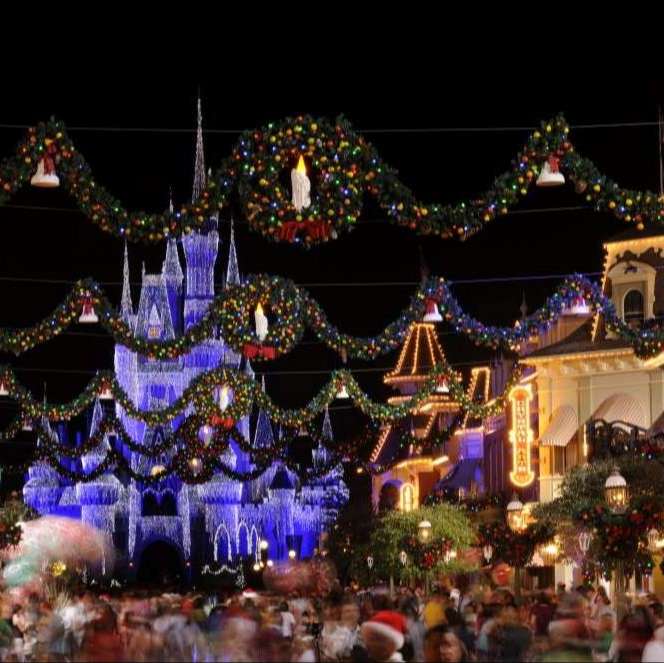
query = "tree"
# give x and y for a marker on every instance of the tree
(619, 540)
(397, 530)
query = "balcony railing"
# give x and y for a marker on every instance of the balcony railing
(617, 438)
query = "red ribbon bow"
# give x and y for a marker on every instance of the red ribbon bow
(554, 163)
(223, 422)
(252, 351)
(316, 230)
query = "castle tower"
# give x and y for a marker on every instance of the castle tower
(173, 278)
(125, 361)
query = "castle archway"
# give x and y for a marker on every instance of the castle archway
(160, 564)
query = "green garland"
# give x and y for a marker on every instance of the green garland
(291, 309)
(201, 393)
(342, 167)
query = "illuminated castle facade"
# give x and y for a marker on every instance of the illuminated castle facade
(222, 520)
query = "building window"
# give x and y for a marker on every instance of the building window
(559, 461)
(633, 309)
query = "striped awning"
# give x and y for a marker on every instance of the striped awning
(562, 427)
(621, 407)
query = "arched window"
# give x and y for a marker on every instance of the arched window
(168, 505)
(407, 498)
(389, 497)
(633, 309)
(149, 507)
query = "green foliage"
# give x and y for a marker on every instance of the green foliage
(448, 523)
(618, 539)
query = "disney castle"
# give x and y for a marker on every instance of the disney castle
(221, 522)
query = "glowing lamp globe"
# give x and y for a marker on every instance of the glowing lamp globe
(157, 470)
(424, 531)
(615, 492)
(257, 567)
(270, 563)
(195, 465)
(487, 551)
(264, 545)
(403, 557)
(292, 554)
(515, 519)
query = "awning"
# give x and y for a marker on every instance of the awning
(562, 427)
(621, 407)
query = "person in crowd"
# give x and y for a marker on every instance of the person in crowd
(415, 628)
(383, 636)
(634, 632)
(441, 645)
(541, 614)
(434, 610)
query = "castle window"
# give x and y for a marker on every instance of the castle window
(154, 323)
(633, 308)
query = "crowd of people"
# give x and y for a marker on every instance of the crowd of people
(450, 624)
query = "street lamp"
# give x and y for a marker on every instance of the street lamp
(615, 492)
(292, 554)
(424, 531)
(515, 519)
(516, 522)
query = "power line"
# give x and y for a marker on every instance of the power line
(374, 130)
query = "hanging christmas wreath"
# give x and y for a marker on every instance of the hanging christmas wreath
(621, 538)
(262, 317)
(300, 180)
(12, 513)
(514, 548)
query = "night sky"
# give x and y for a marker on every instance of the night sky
(56, 243)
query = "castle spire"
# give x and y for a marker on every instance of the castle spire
(172, 269)
(326, 431)
(232, 271)
(127, 305)
(199, 164)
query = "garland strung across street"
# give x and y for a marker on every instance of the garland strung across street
(204, 394)
(329, 167)
(240, 311)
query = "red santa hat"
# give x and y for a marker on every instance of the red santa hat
(390, 624)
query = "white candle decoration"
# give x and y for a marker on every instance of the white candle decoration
(224, 398)
(261, 323)
(301, 186)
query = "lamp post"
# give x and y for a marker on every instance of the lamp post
(515, 521)
(615, 496)
(424, 536)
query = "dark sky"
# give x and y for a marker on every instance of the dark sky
(59, 244)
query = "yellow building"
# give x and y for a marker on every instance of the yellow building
(586, 378)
